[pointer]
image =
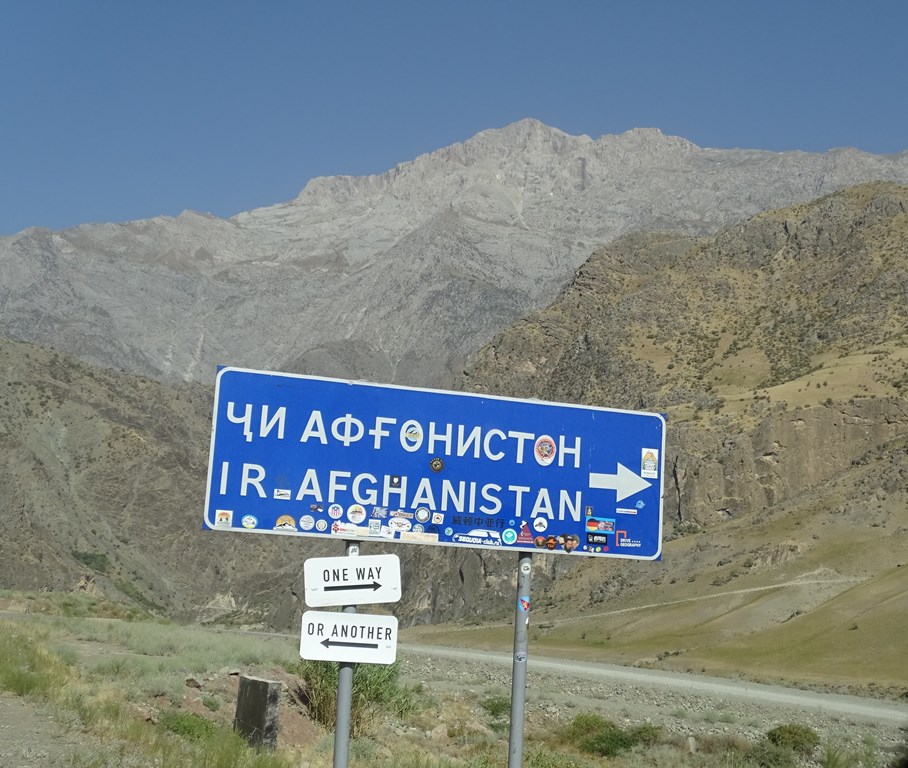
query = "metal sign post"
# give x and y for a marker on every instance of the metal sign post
(344, 692)
(519, 671)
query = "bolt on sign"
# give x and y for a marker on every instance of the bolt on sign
(308, 456)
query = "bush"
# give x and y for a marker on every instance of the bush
(188, 725)
(648, 735)
(802, 739)
(27, 668)
(765, 754)
(608, 742)
(497, 706)
(596, 735)
(97, 561)
(375, 688)
(582, 725)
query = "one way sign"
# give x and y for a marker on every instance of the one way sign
(354, 637)
(352, 580)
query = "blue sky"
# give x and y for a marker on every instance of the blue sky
(112, 110)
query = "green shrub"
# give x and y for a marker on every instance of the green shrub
(765, 754)
(596, 735)
(497, 707)
(97, 561)
(800, 738)
(609, 742)
(27, 668)
(375, 689)
(134, 593)
(187, 725)
(647, 735)
(582, 726)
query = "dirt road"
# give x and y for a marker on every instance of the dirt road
(30, 738)
(858, 708)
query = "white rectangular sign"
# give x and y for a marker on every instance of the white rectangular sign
(355, 637)
(352, 580)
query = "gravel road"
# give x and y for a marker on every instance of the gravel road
(688, 705)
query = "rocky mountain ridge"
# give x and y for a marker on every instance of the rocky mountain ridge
(397, 277)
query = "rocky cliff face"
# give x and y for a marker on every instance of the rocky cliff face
(397, 277)
(718, 474)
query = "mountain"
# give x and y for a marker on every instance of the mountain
(778, 350)
(397, 277)
(756, 298)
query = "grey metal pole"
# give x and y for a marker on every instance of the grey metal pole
(519, 673)
(344, 691)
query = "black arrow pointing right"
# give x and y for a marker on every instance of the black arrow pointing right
(344, 587)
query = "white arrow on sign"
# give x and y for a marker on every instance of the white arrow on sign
(625, 483)
(362, 638)
(351, 580)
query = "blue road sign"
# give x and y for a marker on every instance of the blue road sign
(309, 456)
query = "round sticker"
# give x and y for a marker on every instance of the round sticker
(321, 525)
(540, 524)
(544, 450)
(509, 535)
(335, 511)
(356, 513)
(422, 515)
(307, 522)
(249, 521)
(285, 523)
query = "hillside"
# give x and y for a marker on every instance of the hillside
(102, 483)
(778, 350)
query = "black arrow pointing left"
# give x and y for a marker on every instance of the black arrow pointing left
(328, 642)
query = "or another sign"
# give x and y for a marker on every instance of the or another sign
(361, 638)
(308, 456)
(352, 580)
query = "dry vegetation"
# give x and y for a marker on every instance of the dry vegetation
(143, 692)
